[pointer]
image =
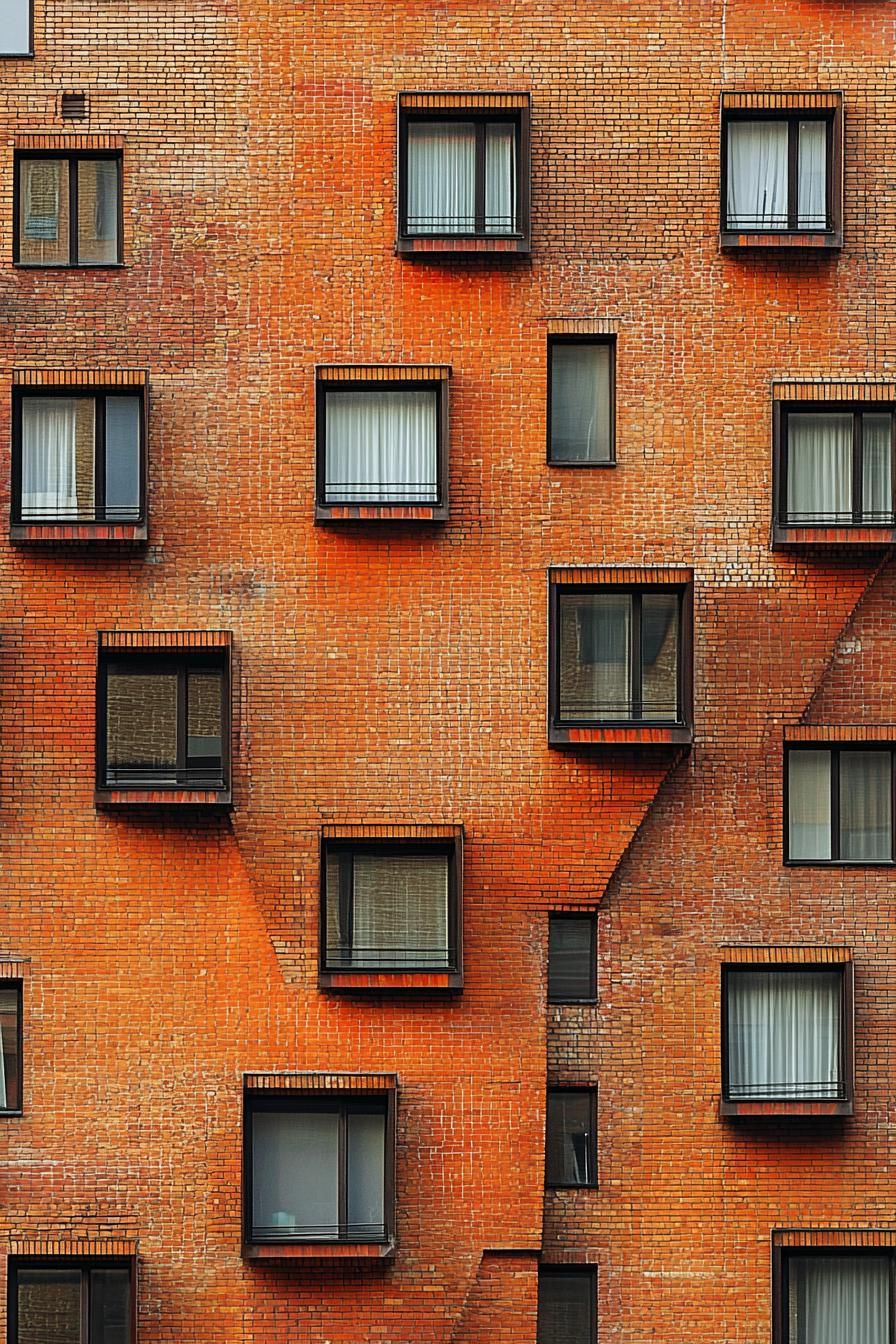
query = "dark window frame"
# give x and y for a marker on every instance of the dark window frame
(608, 340)
(564, 916)
(99, 394)
(342, 1103)
(70, 1264)
(180, 661)
(835, 749)
(575, 1271)
(17, 986)
(563, 1090)
(23, 55)
(780, 418)
(72, 157)
(781, 1256)
(841, 1104)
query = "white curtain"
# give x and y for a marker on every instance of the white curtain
(839, 1299)
(49, 435)
(500, 177)
(877, 468)
(441, 187)
(819, 468)
(580, 402)
(809, 805)
(865, 805)
(812, 175)
(757, 175)
(783, 1034)
(42, 200)
(595, 682)
(381, 447)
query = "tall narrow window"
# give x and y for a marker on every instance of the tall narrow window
(777, 171)
(840, 805)
(571, 958)
(15, 27)
(833, 1296)
(10, 1045)
(785, 1033)
(835, 465)
(571, 1146)
(69, 208)
(71, 1301)
(566, 1305)
(580, 401)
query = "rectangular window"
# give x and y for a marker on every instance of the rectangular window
(833, 1296)
(567, 1308)
(580, 401)
(839, 806)
(318, 1169)
(571, 1144)
(10, 1046)
(71, 1301)
(571, 958)
(78, 455)
(15, 27)
(68, 209)
(835, 465)
(777, 171)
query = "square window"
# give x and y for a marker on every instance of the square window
(78, 460)
(571, 958)
(463, 172)
(15, 27)
(567, 1312)
(67, 209)
(834, 1294)
(571, 1144)
(839, 804)
(319, 1168)
(10, 1046)
(71, 1300)
(580, 401)
(382, 443)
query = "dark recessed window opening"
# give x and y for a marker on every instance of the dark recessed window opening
(836, 466)
(78, 456)
(784, 1034)
(317, 1170)
(68, 209)
(71, 1302)
(571, 958)
(567, 1309)
(580, 401)
(833, 1295)
(10, 1045)
(390, 907)
(571, 1147)
(381, 443)
(778, 172)
(461, 175)
(839, 805)
(15, 27)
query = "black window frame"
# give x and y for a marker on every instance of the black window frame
(573, 916)
(72, 157)
(780, 431)
(832, 116)
(608, 340)
(570, 1271)
(29, 53)
(781, 1256)
(70, 1264)
(343, 1103)
(562, 1090)
(835, 749)
(16, 985)
(99, 394)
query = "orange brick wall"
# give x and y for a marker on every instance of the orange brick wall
(397, 674)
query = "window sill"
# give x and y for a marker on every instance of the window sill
(68, 265)
(788, 534)
(771, 1110)
(280, 1252)
(385, 513)
(579, 466)
(435, 246)
(155, 798)
(621, 735)
(731, 239)
(78, 533)
(390, 982)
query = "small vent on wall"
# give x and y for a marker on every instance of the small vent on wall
(74, 106)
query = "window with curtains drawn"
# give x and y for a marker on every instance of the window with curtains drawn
(839, 804)
(56, 1300)
(68, 209)
(580, 400)
(15, 27)
(835, 464)
(567, 1307)
(833, 1296)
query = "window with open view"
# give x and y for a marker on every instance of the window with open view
(580, 401)
(71, 1301)
(15, 27)
(835, 464)
(837, 1295)
(68, 209)
(839, 804)
(10, 1046)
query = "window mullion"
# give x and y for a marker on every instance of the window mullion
(636, 687)
(857, 468)
(835, 803)
(793, 172)
(479, 192)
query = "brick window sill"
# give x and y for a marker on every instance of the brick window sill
(55, 534)
(796, 1110)
(280, 1252)
(622, 735)
(390, 982)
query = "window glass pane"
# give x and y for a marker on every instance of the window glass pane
(295, 1174)
(399, 911)
(366, 1176)
(566, 1307)
(812, 205)
(97, 211)
(15, 26)
(570, 957)
(110, 1306)
(659, 656)
(441, 186)
(49, 1306)
(43, 211)
(569, 1153)
(580, 402)
(595, 656)
(757, 175)
(819, 468)
(141, 726)
(381, 446)
(809, 805)
(865, 795)
(123, 416)
(877, 468)
(784, 1034)
(500, 177)
(204, 719)
(58, 443)
(836, 1299)
(10, 1095)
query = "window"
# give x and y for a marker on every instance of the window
(78, 455)
(15, 27)
(382, 439)
(10, 1046)
(833, 1296)
(566, 1305)
(571, 1146)
(571, 958)
(67, 209)
(839, 806)
(319, 1168)
(835, 464)
(580, 401)
(71, 1301)
(464, 172)
(163, 715)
